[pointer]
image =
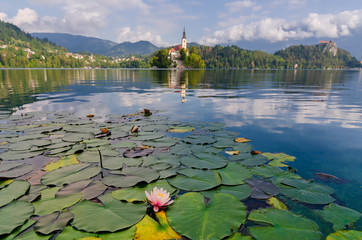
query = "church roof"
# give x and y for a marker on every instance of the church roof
(177, 47)
(184, 34)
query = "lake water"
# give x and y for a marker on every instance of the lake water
(313, 115)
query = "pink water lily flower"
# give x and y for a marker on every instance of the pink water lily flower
(158, 198)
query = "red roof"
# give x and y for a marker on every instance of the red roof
(178, 47)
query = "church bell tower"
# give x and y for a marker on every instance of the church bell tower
(183, 40)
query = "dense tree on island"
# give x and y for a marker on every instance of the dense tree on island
(160, 59)
(193, 59)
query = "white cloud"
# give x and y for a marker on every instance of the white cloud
(25, 16)
(3, 16)
(314, 25)
(140, 33)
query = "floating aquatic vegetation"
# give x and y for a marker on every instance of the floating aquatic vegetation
(66, 177)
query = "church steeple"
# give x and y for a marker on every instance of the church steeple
(183, 40)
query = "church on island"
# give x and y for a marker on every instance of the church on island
(174, 53)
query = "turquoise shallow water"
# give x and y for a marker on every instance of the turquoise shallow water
(315, 116)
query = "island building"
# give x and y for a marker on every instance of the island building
(174, 52)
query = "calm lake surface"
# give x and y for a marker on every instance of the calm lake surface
(315, 116)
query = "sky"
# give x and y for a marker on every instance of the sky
(207, 22)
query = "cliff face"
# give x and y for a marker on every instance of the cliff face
(329, 46)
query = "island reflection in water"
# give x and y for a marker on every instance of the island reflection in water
(313, 115)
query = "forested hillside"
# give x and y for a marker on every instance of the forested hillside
(20, 50)
(301, 57)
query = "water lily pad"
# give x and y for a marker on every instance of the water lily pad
(124, 144)
(190, 217)
(130, 176)
(306, 191)
(144, 136)
(195, 180)
(262, 189)
(48, 206)
(204, 161)
(88, 188)
(241, 192)
(69, 174)
(181, 129)
(14, 215)
(93, 143)
(338, 215)
(19, 230)
(137, 152)
(278, 159)
(199, 139)
(181, 149)
(13, 191)
(267, 171)
(276, 203)
(114, 163)
(53, 222)
(161, 142)
(254, 160)
(234, 174)
(71, 233)
(18, 155)
(112, 216)
(345, 235)
(281, 224)
(14, 170)
(138, 193)
(149, 229)
(65, 161)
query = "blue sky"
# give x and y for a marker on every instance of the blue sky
(206, 21)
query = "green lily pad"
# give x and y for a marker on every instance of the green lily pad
(254, 160)
(281, 224)
(241, 192)
(13, 191)
(69, 174)
(267, 171)
(171, 159)
(89, 157)
(114, 163)
(145, 136)
(93, 143)
(278, 159)
(14, 215)
(48, 206)
(18, 155)
(204, 149)
(238, 236)
(14, 170)
(138, 193)
(338, 215)
(88, 188)
(161, 142)
(181, 149)
(181, 129)
(112, 216)
(19, 230)
(190, 217)
(130, 176)
(53, 222)
(137, 152)
(306, 191)
(204, 161)
(198, 139)
(71, 233)
(234, 174)
(20, 146)
(345, 235)
(124, 145)
(195, 180)
(262, 189)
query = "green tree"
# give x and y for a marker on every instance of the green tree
(161, 59)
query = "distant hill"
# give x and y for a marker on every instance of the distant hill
(322, 55)
(78, 43)
(345, 42)
(128, 48)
